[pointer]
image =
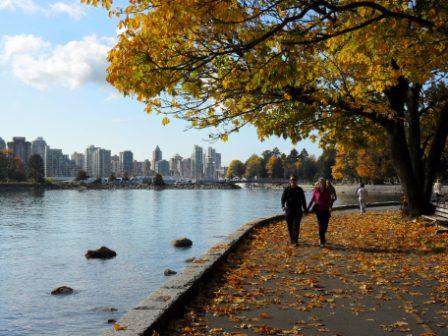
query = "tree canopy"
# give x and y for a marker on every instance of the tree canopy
(342, 69)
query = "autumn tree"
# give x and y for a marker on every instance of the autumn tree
(235, 169)
(254, 167)
(274, 167)
(295, 69)
(36, 169)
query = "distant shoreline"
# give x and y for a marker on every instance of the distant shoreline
(81, 186)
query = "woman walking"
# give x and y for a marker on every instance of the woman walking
(321, 202)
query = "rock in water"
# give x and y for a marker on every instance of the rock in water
(169, 272)
(102, 253)
(182, 242)
(190, 260)
(63, 290)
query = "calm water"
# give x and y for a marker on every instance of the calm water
(44, 235)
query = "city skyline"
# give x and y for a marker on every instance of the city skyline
(54, 81)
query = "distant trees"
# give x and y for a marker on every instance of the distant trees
(158, 180)
(236, 169)
(81, 175)
(11, 168)
(36, 170)
(274, 167)
(254, 167)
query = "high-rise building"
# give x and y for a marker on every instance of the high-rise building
(38, 147)
(2, 144)
(89, 160)
(218, 161)
(175, 165)
(146, 169)
(126, 163)
(57, 164)
(101, 163)
(137, 168)
(185, 171)
(197, 164)
(163, 167)
(80, 160)
(209, 164)
(20, 148)
(115, 165)
(156, 156)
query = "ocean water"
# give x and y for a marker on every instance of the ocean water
(45, 234)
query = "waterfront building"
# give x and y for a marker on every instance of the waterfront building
(156, 156)
(175, 165)
(218, 161)
(89, 160)
(146, 168)
(101, 163)
(137, 168)
(185, 170)
(57, 164)
(197, 163)
(115, 165)
(2, 144)
(20, 148)
(209, 164)
(79, 160)
(162, 167)
(126, 163)
(38, 147)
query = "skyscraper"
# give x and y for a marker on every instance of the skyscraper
(197, 164)
(175, 165)
(115, 165)
(209, 164)
(185, 171)
(57, 164)
(146, 169)
(80, 160)
(2, 144)
(38, 147)
(20, 148)
(156, 156)
(89, 160)
(163, 167)
(101, 163)
(126, 163)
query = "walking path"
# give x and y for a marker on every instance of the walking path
(379, 275)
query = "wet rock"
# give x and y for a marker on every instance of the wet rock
(110, 321)
(105, 309)
(190, 260)
(63, 290)
(102, 253)
(169, 272)
(182, 242)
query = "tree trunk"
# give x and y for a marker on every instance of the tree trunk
(417, 202)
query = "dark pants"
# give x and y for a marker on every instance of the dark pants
(293, 219)
(323, 217)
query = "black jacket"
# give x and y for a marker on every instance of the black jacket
(294, 199)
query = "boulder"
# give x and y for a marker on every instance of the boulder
(190, 260)
(110, 321)
(169, 272)
(182, 242)
(63, 290)
(102, 253)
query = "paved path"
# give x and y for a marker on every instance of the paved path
(379, 275)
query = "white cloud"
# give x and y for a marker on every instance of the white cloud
(69, 65)
(20, 44)
(75, 11)
(72, 9)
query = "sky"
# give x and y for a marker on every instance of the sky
(52, 84)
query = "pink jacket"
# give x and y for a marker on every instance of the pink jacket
(321, 199)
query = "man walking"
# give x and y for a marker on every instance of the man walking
(362, 197)
(294, 204)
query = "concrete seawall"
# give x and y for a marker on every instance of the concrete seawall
(156, 310)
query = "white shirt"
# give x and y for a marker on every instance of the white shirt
(362, 194)
(437, 188)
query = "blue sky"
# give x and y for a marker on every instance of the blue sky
(52, 68)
